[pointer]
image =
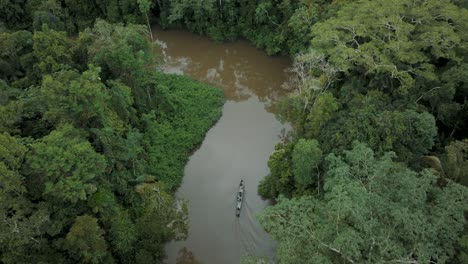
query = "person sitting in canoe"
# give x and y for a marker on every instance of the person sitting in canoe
(241, 191)
(240, 196)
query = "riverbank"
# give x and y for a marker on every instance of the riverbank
(236, 147)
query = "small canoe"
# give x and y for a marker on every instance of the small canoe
(240, 198)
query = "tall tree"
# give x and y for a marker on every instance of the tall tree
(306, 158)
(144, 6)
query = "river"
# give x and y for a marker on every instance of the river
(236, 148)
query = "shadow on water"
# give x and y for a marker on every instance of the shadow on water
(236, 148)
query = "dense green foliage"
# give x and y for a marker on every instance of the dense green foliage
(276, 26)
(374, 210)
(391, 75)
(374, 171)
(93, 143)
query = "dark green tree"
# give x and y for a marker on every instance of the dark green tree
(371, 119)
(123, 53)
(15, 52)
(306, 158)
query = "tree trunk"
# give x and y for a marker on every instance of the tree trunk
(149, 27)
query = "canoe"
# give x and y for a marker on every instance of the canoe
(240, 198)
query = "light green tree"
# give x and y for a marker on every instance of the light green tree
(66, 165)
(78, 99)
(321, 111)
(397, 43)
(373, 210)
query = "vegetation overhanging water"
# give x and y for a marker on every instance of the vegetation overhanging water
(93, 141)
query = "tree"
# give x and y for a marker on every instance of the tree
(306, 158)
(462, 256)
(12, 13)
(323, 110)
(455, 161)
(15, 48)
(65, 165)
(85, 241)
(374, 210)
(46, 18)
(79, 99)
(123, 53)
(82, 13)
(161, 219)
(123, 233)
(51, 51)
(305, 15)
(22, 223)
(311, 105)
(144, 6)
(410, 51)
(281, 178)
(372, 119)
(399, 40)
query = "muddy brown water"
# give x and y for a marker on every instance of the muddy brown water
(236, 148)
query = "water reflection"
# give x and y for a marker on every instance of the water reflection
(239, 68)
